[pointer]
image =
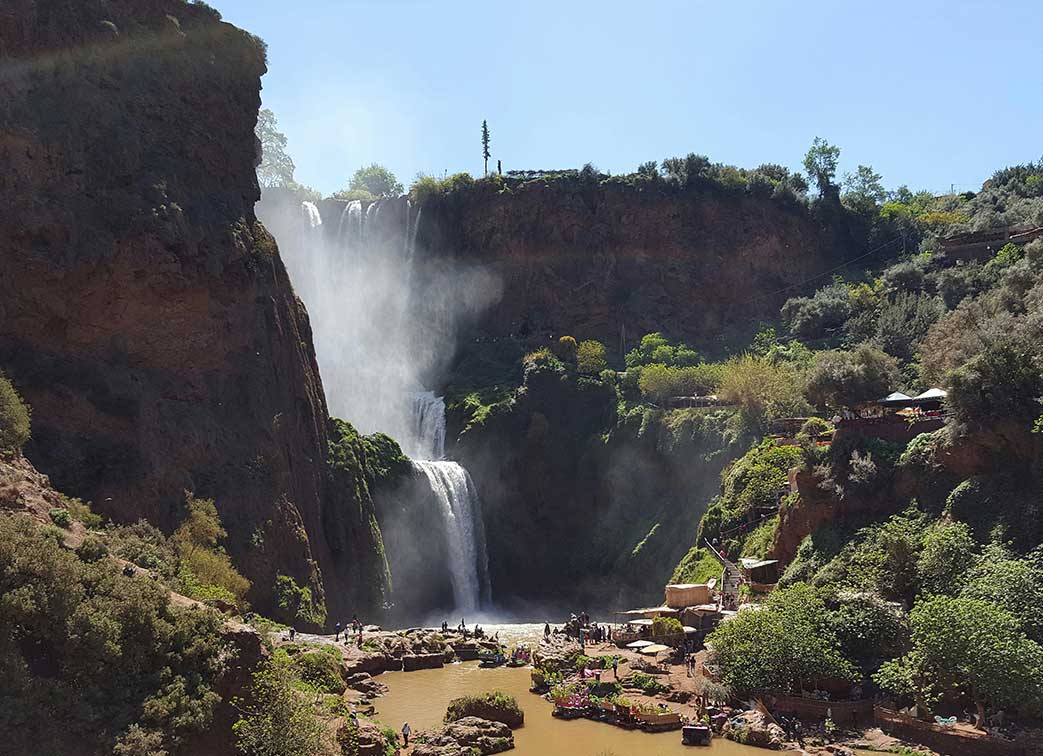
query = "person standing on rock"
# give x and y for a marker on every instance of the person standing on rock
(405, 734)
(336, 632)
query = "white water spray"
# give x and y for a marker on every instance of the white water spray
(375, 351)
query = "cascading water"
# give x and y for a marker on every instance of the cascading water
(464, 533)
(459, 507)
(375, 350)
(428, 426)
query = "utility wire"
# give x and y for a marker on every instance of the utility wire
(800, 284)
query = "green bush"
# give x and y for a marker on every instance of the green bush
(322, 669)
(146, 546)
(845, 379)
(494, 705)
(61, 518)
(590, 357)
(118, 652)
(788, 642)
(645, 682)
(81, 511)
(667, 627)
(697, 566)
(295, 602)
(14, 418)
(204, 569)
(276, 720)
(93, 548)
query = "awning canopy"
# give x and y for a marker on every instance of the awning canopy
(640, 644)
(640, 622)
(932, 393)
(752, 564)
(651, 610)
(895, 397)
(655, 648)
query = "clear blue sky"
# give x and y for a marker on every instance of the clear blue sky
(928, 93)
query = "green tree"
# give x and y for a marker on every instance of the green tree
(843, 379)
(966, 647)
(1015, 585)
(590, 357)
(276, 168)
(821, 164)
(763, 389)
(784, 645)
(949, 550)
(377, 180)
(14, 418)
(280, 718)
(485, 147)
(864, 191)
(205, 570)
(83, 645)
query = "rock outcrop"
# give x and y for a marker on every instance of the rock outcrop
(464, 737)
(145, 314)
(755, 729)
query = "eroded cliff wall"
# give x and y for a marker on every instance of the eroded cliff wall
(614, 260)
(145, 314)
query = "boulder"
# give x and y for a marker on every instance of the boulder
(365, 683)
(493, 706)
(412, 662)
(366, 739)
(755, 729)
(462, 737)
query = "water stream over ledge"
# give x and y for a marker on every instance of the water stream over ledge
(421, 698)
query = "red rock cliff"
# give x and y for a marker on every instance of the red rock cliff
(145, 314)
(598, 260)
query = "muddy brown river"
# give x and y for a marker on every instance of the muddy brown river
(421, 698)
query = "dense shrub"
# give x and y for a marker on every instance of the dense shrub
(816, 316)
(60, 517)
(146, 546)
(1002, 384)
(964, 648)
(789, 642)
(845, 379)
(96, 651)
(590, 357)
(659, 382)
(948, 552)
(904, 321)
(296, 603)
(322, 668)
(764, 389)
(204, 569)
(494, 705)
(280, 718)
(14, 418)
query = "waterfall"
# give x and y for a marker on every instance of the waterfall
(428, 426)
(464, 533)
(381, 331)
(312, 214)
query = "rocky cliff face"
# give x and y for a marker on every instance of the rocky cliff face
(145, 314)
(614, 260)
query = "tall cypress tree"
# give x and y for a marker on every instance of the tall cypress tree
(485, 146)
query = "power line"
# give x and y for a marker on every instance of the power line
(800, 284)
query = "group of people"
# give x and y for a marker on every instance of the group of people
(355, 628)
